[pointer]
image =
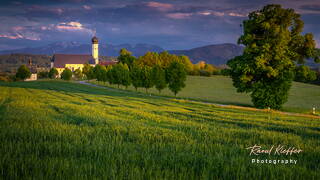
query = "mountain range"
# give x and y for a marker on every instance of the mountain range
(214, 54)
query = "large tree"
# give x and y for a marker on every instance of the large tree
(125, 78)
(146, 78)
(159, 77)
(99, 72)
(135, 73)
(23, 72)
(87, 70)
(273, 46)
(176, 76)
(126, 57)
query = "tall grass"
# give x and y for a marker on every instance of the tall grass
(61, 130)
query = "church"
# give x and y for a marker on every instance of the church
(76, 61)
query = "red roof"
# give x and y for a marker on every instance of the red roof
(60, 60)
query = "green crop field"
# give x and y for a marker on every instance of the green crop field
(218, 89)
(65, 130)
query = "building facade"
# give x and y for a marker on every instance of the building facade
(77, 61)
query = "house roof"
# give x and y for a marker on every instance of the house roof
(60, 60)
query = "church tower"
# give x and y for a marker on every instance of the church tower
(95, 50)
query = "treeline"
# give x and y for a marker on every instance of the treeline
(166, 72)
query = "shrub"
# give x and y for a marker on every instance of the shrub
(66, 74)
(23, 72)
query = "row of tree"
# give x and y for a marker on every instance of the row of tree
(140, 76)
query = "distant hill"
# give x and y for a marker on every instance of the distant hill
(77, 48)
(217, 54)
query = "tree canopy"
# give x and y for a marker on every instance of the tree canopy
(273, 46)
(176, 76)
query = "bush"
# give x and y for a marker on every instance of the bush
(4, 78)
(78, 74)
(205, 73)
(66, 74)
(305, 74)
(23, 72)
(53, 73)
(43, 74)
(225, 72)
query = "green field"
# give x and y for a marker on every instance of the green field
(218, 89)
(65, 130)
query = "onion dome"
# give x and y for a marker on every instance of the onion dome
(95, 40)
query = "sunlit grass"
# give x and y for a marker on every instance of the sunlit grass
(219, 89)
(63, 130)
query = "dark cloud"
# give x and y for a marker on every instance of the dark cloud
(311, 7)
(171, 24)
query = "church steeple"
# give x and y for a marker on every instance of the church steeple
(95, 49)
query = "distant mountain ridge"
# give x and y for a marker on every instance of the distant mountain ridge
(214, 54)
(217, 54)
(77, 48)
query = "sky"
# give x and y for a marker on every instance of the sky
(170, 24)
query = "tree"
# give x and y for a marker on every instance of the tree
(125, 78)
(273, 43)
(176, 76)
(87, 70)
(66, 74)
(109, 74)
(116, 74)
(146, 78)
(149, 59)
(186, 62)
(23, 72)
(99, 72)
(304, 74)
(78, 74)
(43, 74)
(53, 73)
(126, 57)
(136, 78)
(159, 78)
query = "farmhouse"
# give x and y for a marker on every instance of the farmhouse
(76, 61)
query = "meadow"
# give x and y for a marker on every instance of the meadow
(219, 89)
(66, 130)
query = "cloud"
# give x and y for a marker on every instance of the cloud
(86, 7)
(311, 7)
(45, 10)
(70, 26)
(205, 13)
(179, 15)
(160, 6)
(27, 35)
(236, 14)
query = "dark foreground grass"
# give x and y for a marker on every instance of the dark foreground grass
(219, 89)
(61, 130)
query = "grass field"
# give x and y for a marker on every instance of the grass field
(65, 130)
(219, 89)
